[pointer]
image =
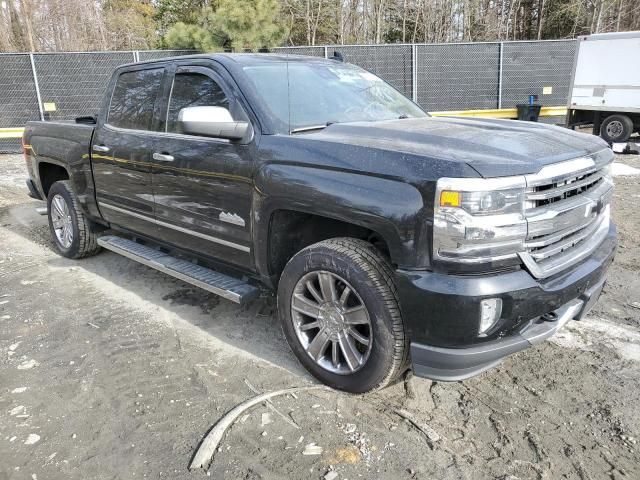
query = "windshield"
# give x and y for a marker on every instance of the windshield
(305, 95)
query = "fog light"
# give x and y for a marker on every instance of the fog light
(490, 311)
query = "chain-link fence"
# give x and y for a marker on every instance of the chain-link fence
(58, 86)
(462, 76)
(456, 76)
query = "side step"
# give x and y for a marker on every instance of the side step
(205, 278)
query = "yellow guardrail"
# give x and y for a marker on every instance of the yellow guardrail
(500, 113)
(495, 113)
(11, 132)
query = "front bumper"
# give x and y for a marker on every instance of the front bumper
(441, 312)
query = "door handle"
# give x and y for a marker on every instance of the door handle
(162, 157)
(101, 148)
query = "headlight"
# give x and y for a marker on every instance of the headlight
(479, 220)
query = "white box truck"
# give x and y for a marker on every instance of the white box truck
(605, 86)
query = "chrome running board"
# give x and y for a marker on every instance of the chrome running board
(227, 287)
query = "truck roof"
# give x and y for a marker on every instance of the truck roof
(241, 58)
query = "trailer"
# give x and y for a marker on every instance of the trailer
(605, 85)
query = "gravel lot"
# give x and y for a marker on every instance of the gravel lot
(109, 369)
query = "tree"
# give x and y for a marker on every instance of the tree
(130, 24)
(59, 25)
(170, 12)
(237, 24)
(192, 37)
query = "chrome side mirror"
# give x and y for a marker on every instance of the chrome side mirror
(211, 122)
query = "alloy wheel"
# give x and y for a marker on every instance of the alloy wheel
(331, 322)
(61, 220)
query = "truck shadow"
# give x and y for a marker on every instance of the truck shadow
(253, 328)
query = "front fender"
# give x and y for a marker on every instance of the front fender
(393, 209)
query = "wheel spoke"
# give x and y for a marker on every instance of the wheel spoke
(345, 295)
(334, 353)
(313, 291)
(358, 336)
(57, 223)
(308, 326)
(356, 316)
(61, 207)
(327, 286)
(351, 355)
(66, 235)
(305, 306)
(319, 344)
(57, 208)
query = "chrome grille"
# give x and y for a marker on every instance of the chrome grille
(567, 212)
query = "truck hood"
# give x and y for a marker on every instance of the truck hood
(493, 148)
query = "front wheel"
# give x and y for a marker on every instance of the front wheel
(339, 311)
(70, 229)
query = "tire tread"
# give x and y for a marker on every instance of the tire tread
(87, 240)
(377, 267)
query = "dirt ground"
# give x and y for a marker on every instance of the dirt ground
(110, 370)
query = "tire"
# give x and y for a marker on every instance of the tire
(83, 242)
(616, 128)
(355, 264)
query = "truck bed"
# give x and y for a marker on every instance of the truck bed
(60, 140)
(66, 144)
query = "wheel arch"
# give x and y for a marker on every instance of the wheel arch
(290, 231)
(296, 206)
(49, 173)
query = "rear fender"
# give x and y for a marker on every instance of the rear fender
(70, 152)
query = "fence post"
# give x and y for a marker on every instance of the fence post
(35, 81)
(326, 52)
(136, 56)
(500, 75)
(414, 73)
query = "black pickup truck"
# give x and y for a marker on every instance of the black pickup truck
(393, 239)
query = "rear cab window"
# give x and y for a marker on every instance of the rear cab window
(134, 98)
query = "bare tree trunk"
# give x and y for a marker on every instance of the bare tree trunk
(599, 20)
(404, 21)
(619, 16)
(415, 24)
(308, 20)
(315, 23)
(594, 14)
(540, 18)
(27, 14)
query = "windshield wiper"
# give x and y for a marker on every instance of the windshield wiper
(310, 128)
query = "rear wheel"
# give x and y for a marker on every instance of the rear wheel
(338, 307)
(616, 128)
(70, 229)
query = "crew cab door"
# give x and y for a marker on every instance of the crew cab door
(203, 186)
(121, 149)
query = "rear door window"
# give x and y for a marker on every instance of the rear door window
(134, 99)
(192, 89)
